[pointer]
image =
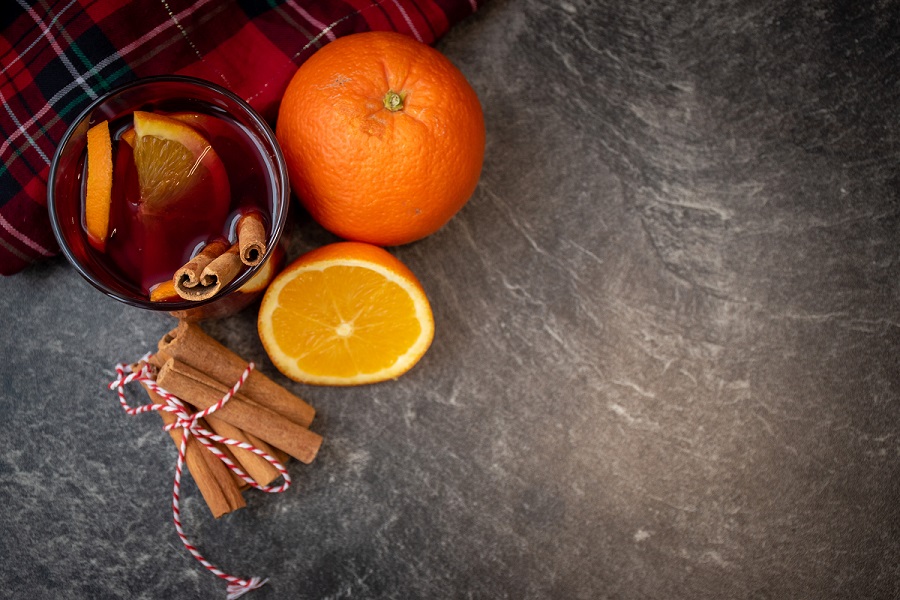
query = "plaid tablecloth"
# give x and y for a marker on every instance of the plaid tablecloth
(58, 56)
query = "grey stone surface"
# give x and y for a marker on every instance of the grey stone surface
(666, 361)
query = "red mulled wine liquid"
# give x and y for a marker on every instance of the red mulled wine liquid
(147, 244)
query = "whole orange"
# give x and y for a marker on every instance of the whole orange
(383, 138)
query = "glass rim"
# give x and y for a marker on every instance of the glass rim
(279, 218)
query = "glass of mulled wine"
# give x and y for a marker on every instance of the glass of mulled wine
(153, 174)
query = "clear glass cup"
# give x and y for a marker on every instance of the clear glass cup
(256, 167)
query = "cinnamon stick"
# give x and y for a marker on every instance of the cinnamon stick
(214, 275)
(201, 391)
(188, 277)
(215, 481)
(190, 345)
(160, 358)
(251, 234)
(259, 469)
(155, 362)
(222, 269)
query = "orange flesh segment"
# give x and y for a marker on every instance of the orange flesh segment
(98, 196)
(365, 331)
(172, 158)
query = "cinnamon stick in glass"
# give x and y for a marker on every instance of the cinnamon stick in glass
(190, 345)
(201, 391)
(188, 277)
(199, 281)
(251, 234)
(216, 482)
(222, 270)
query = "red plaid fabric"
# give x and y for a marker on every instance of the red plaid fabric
(56, 57)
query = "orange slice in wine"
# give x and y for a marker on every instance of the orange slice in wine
(164, 292)
(128, 136)
(205, 124)
(266, 273)
(173, 161)
(98, 193)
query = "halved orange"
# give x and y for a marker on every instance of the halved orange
(172, 161)
(345, 314)
(98, 191)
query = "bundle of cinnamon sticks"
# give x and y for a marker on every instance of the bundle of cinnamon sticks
(199, 370)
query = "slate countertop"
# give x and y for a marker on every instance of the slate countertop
(666, 360)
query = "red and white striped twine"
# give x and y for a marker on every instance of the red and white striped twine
(237, 587)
